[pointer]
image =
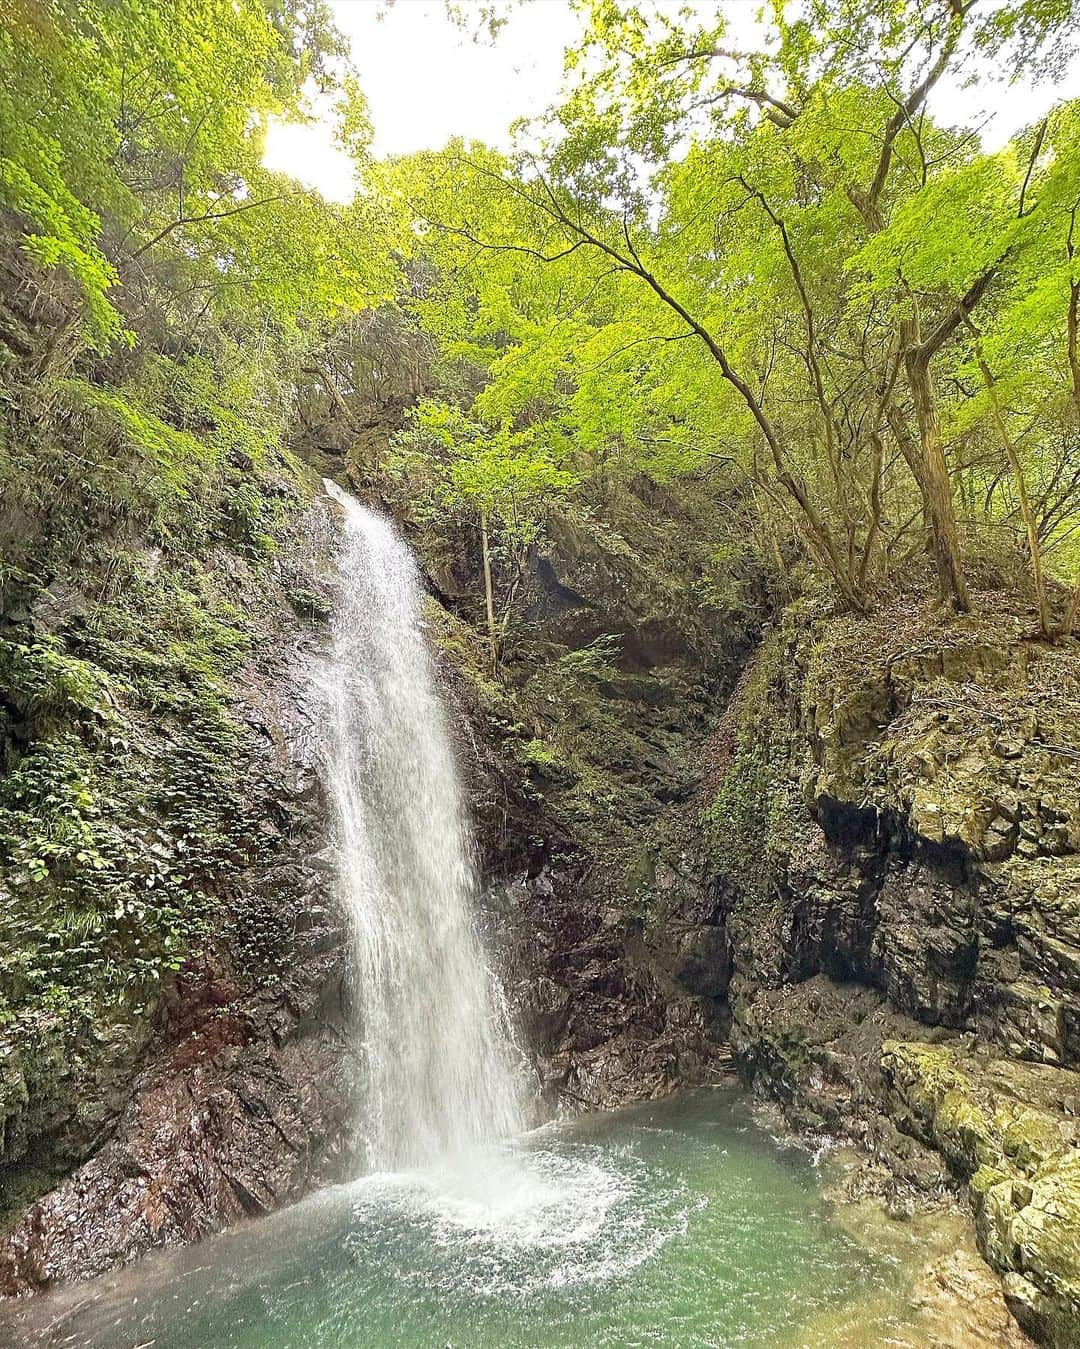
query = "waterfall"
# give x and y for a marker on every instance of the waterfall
(431, 1045)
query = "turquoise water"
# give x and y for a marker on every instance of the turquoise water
(679, 1223)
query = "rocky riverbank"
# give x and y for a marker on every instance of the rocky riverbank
(894, 840)
(861, 875)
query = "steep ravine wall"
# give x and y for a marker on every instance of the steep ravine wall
(584, 767)
(219, 1093)
(880, 912)
(894, 839)
(226, 1098)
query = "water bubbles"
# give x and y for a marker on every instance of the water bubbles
(521, 1220)
(677, 1223)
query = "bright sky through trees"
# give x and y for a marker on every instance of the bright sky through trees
(426, 80)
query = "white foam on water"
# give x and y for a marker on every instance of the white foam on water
(521, 1223)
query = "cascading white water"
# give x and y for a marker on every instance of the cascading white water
(433, 1049)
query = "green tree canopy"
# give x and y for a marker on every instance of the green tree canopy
(780, 259)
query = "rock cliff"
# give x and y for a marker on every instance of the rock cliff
(893, 838)
(840, 856)
(157, 1113)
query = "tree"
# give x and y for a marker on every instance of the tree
(505, 478)
(716, 208)
(131, 156)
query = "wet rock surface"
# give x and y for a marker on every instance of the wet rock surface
(889, 858)
(228, 1099)
(232, 1100)
(894, 837)
(583, 764)
(880, 915)
(1009, 1129)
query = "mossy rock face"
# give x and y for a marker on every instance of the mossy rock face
(1022, 1162)
(1029, 1138)
(221, 712)
(1042, 1250)
(162, 947)
(545, 760)
(936, 759)
(581, 754)
(1047, 1228)
(894, 832)
(138, 658)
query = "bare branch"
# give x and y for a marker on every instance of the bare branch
(199, 219)
(926, 350)
(1040, 136)
(867, 202)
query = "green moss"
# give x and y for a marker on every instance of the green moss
(115, 802)
(738, 818)
(308, 604)
(548, 761)
(1024, 1179)
(1029, 1138)
(469, 655)
(121, 813)
(597, 660)
(944, 1103)
(986, 1178)
(963, 1131)
(751, 816)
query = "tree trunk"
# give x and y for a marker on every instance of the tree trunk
(1072, 612)
(933, 479)
(874, 529)
(1030, 524)
(489, 597)
(1074, 340)
(327, 381)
